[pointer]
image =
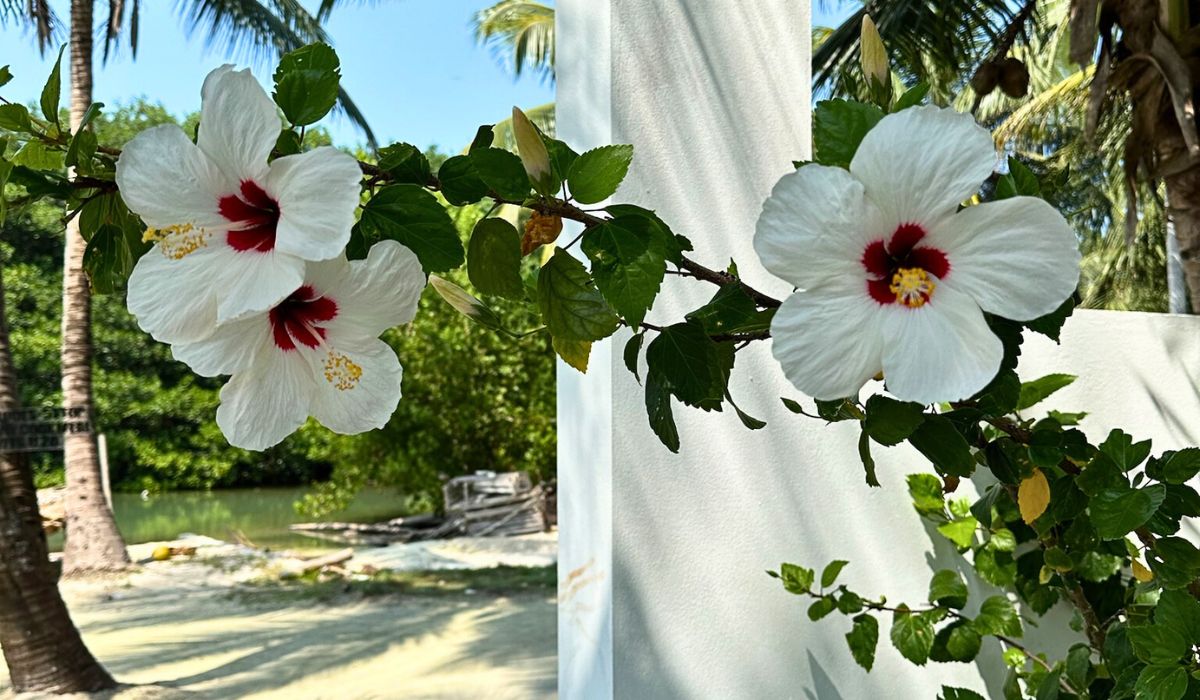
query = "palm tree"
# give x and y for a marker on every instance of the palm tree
(1130, 86)
(521, 31)
(41, 645)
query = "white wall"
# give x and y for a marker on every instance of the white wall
(714, 96)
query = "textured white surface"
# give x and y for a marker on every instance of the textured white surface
(714, 96)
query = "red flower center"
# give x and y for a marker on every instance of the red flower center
(894, 263)
(298, 319)
(258, 215)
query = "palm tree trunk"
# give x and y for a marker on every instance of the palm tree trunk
(93, 542)
(42, 647)
(1183, 197)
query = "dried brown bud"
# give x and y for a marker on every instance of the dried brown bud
(540, 230)
(1014, 78)
(986, 78)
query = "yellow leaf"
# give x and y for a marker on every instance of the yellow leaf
(1141, 573)
(1033, 496)
(574, 352)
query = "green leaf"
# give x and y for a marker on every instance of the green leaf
(1002, 540)
(912, 635)
(1079, 665)
(562, 157)
(1035, 391)
(1116, 512)
(997, 616)
(52, 90)
(306, 83)
(570, 304)
(1051, 324)
(5, 76)
(628, 264)
(485, 137)
(405, 163)
(731, 310)
(465, 303)
(15, 117)
(890, 422)
(830, 573)
(863, 639)
(633, 348)
(820, 608)
(911, 97)
(939, 440)
(1182, 465)
(1157, 644)
(502, 172)
(494, 259)
(36, 155)
(926, 493)
(960, 531)
(80, 150)
(1180, 562)
(1180, 612)
(1020, 181)
(694, 367)
(574, 352)
(948, 588)
(1162, 682)
(108, 259)
(796, 579)
(415, 218)
(460, 184)
(838, 410)
(595, 175)
(1124, 452)
(864, 454)
(747, 420)
(850, 603)
(5, 170)
(1100, 474)
(949, 693)
(957, 641)
(838, 127)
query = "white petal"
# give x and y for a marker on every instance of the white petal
(172, 298)
(350, 404)
(266, 403)
(238, 124)
(919, 164)
(252, 282)
(378, 293)
(228, 349)
(1018, 258)
(167, 180)
(317, 193)
(815, 226)
(829, 340)
(942, 351)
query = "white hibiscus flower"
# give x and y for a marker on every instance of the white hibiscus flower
(233, 232)
(893, 277)
(316, 353)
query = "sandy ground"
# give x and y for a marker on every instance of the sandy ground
(181, 626)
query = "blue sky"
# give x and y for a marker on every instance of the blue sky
(412, 66)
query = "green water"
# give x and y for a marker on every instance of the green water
(261, 515)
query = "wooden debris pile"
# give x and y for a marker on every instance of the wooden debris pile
(484, 504)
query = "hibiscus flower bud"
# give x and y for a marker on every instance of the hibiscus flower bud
(874, 56)
(540, 230)
(533, 152)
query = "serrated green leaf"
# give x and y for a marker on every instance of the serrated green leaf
(948, 588)
(569, 302)
(912, 635)
(863, 638)
(890, 422)
(1182, 465)
(997, 616)
(1162, 682)
(949, 693)
(108, 259)
(957, 641)
(633, 348)
(628, 264)
(960, 531)
(502, 172)
(494, 260)
(1035, 391)
(1180, 612)
(405, 163)
(52, 90)
(694, 367)
(596, 175)
(410, 215)
(460, 184)
(838, 127)
(1123, 451)
(939, 440)
(1116, 512)
(926, 493)
(1157, 644)
(731, 311)
(5, 76)
(796, 579)
(911, 97)
(574, 352)
(15, 117)
(306, 83)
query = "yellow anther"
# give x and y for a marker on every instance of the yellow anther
(912, 286)
(177, 241)
(342, 372)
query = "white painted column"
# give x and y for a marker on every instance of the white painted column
(662, 590)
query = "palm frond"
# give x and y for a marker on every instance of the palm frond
(521, 33)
